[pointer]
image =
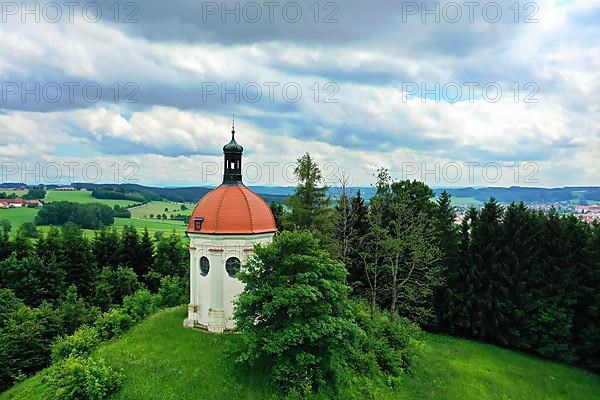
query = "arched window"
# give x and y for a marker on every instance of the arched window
(232, 266)
(204, 266)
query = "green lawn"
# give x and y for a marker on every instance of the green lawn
(162, 360)
(84, 197)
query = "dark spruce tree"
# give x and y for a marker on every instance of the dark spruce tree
(520, 242)
(22, 245)
(448, 244)
(32, 280)
(459, 312)
(146, 254)
(107, 248)
(49, 246)
(310, 205)
(5, 244)
(360, 228)
(130, 247)
(587, 322)
(277, 210)
(490, 276)
(77, 260)
(558, 281)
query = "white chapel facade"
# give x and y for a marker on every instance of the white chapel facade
(223, 229)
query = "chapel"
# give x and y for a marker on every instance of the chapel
(223, 229)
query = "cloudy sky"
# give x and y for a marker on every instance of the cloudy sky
(492, 93)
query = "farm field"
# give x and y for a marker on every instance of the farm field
(152, 225)
(84, 197)
(18, 216)
(158, 208)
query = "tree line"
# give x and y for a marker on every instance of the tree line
(63, 280)
(506, 275)
(85, 215)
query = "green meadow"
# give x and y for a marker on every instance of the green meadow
(84, 197)
(162, 360)
(18, 216)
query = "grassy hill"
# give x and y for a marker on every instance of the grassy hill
(162, 360)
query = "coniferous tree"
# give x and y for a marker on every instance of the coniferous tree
(489, 274)
(9, 303)
(77, 260)
(360, 224)
(558, 283)
(461, 283)
(310, 205)
(343, 227)
(448, 244)
(49, 246)
(107, 248)
(6, 247)
(22, 245)
(278, 211)
(520, 252)
(130, 247)
(587, 322)
(146, 254)
(33, 280)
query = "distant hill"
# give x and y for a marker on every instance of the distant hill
(189, 194)
(574, 195)
(163, 360)
(529, 195)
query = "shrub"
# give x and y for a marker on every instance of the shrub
(82, 379)
(387, 341)
(172, 291)
(81, 343)
(384, 350)
(113, 323)
(140, 304)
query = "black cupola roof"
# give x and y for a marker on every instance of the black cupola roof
(232, 173)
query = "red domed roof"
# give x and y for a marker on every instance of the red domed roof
(232, 209)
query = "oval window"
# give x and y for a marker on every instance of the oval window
(232, 266)
(204, 266)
